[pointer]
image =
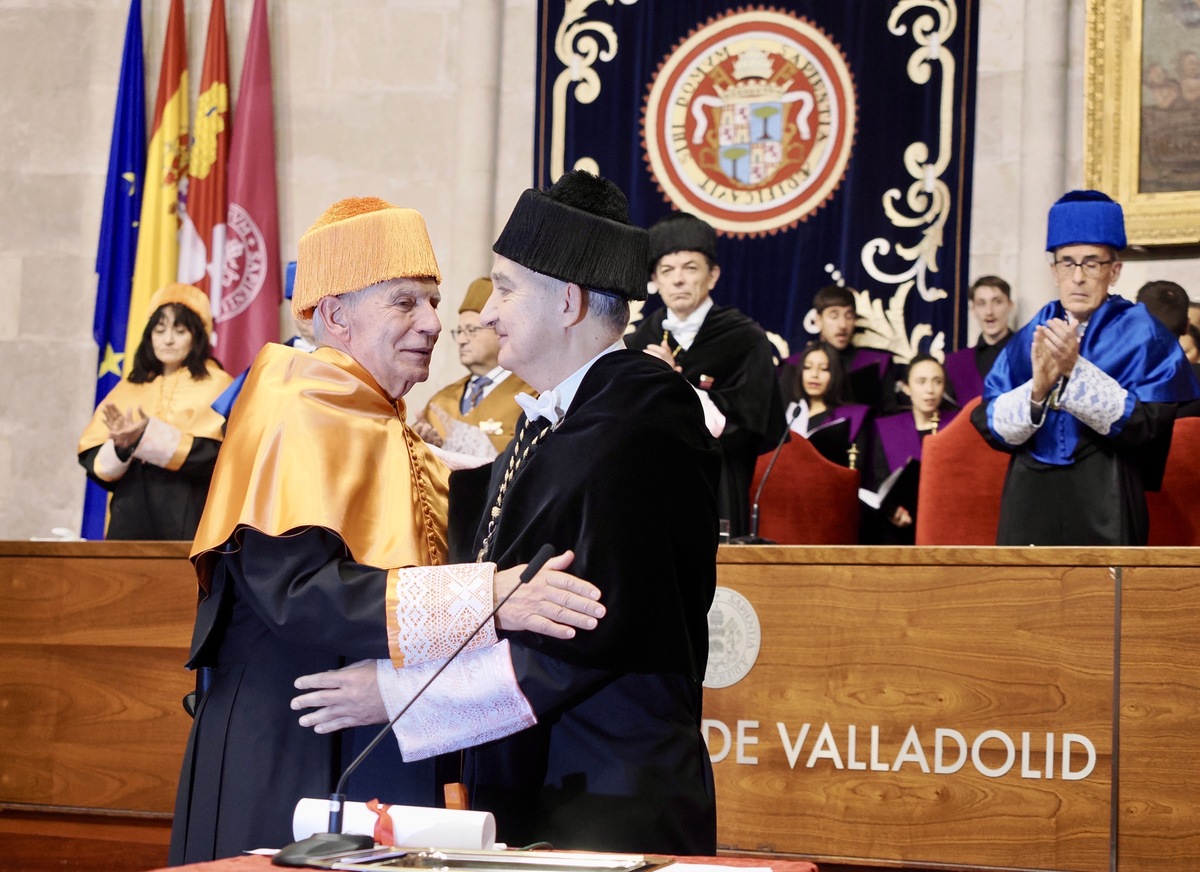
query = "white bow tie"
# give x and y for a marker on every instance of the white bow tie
(544, 405)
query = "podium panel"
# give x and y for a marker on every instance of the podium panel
(957, 706)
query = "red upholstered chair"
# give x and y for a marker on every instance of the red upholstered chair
(807, 500)
(1175, 510)
(962, 478)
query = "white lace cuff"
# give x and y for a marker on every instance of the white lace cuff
(713, 419)
(1012, 417)
(108, 466)
(1093, 397)
(160, 445)
(431, 609)
(477, 699)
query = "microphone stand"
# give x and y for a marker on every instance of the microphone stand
(753, 538)
(323, 845)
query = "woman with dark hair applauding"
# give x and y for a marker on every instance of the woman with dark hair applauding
(153, 440)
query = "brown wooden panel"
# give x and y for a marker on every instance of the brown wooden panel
(92, 644)
(34, 841)
(1159, 799)
(968, 648)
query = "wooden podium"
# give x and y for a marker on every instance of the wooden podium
(1052, 694)
(976, 707)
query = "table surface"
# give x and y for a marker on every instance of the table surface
(246, 863)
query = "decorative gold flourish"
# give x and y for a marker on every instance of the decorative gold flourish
(926, 202)
(578, 45)
(886, 331)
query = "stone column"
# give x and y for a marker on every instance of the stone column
(1044, 124)
(474, 164)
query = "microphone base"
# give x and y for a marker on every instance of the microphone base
(751, 540)
(319, 846)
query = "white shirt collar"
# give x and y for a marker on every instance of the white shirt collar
(684, 330)
(553, 404)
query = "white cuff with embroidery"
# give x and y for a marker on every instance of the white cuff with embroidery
(713, 419)
(108, 466)
(158, 444)
(1012, 417)
(477, 699)
(436, 607)
(1093, 397)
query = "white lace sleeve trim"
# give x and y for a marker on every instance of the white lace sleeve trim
(1012, 417)
(158, 444)
(1093, 397)
(436, 607)
(477, 699)
(108, 466)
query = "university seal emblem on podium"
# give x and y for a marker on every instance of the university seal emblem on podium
(734, 637)
(749, 123)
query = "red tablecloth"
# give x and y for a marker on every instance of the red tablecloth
(249, 863)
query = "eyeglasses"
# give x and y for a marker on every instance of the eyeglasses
(1091, 267)
(468, 331)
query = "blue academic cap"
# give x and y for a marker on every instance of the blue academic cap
(289, 279)
(1085, 218)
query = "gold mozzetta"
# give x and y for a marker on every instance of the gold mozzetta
(177, 399)
(313, 441)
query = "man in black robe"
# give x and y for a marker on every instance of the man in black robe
(615, 760)
(1084, 396)
(725, 356)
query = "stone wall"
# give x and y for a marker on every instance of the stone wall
(426, 103)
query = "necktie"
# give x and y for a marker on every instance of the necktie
(474, 393)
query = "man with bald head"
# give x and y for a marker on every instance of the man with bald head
(323, 542)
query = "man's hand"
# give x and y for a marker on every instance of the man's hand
(427, 432)
(552, 603)
(342, 698)
(1045, 368)
(663, 352)
(1059, 339)
(900, 517)
(124, 429)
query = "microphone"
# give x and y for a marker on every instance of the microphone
(310, 851)
(753, 538)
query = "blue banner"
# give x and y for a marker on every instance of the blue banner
(118, 238)
(828, 142)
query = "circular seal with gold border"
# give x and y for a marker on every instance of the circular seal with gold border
(734, 637)
(749, 122)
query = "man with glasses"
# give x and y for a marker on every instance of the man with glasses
(486, 399)
(1084, 396)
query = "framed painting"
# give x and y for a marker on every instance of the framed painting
(1142, 111)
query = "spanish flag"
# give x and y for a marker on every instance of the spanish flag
(202, 207)
(166, 162)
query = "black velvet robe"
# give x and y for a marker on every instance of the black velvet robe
(150, 502)
(279, 608)
(617, 762)
(735, 353)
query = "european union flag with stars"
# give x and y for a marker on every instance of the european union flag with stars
(118, 237)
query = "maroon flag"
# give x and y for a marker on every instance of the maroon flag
(247, 303)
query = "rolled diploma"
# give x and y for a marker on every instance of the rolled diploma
(414, 827)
